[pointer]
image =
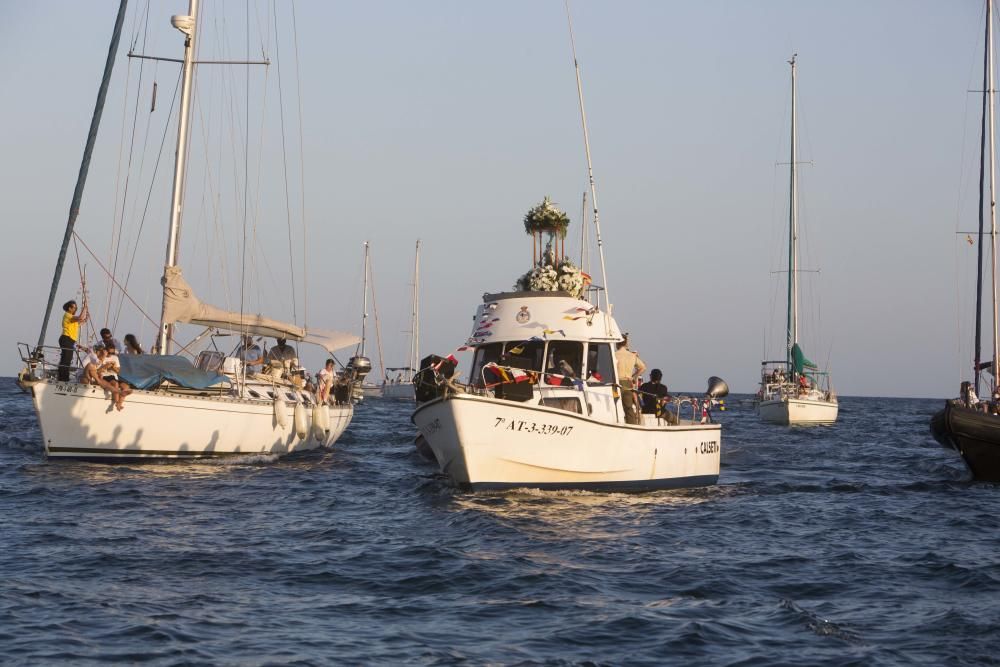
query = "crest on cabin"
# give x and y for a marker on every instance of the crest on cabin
(523, 316)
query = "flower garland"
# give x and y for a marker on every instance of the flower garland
(546, 277)
(546, 218)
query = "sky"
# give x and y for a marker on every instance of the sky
(446, 120)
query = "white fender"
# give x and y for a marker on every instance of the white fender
(280, 411)
(325, 414)
(318, 431)
(301, 422)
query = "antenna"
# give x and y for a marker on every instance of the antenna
(590, 166)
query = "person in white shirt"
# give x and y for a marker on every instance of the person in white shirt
(325, 380)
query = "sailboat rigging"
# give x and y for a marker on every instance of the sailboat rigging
(794, 390)
(401, 386)
(221, 405)
(967, 424)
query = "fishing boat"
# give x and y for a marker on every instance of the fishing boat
(400, 385)
(544, 406)
(967, 424)
(793, 390)
(218, 405)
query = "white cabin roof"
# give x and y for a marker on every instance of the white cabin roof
(519, 316)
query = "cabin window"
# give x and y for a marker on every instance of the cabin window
(485, 354)
(563, 403)
(526, 355)
(209, 360)
(564, 360)
(600, 364)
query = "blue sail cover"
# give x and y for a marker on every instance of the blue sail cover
(148, 370)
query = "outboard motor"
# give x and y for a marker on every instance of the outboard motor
(359, 368)
(717, 388)
(425, 383)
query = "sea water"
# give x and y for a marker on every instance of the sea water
(859, 543)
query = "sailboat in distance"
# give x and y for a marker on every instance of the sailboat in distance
(401, 385)
(793, 390)
(228, 402)
(967, 424)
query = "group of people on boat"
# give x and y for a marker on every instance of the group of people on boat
(100, 365)
(282, 362)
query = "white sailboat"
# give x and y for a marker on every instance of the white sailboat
(401, 385)
(360, 365)
(545, 406)
(794, 390)
(215, 407)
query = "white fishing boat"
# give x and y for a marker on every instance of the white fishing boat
(794, 390)
(217, 406)
(400, 385)
(543, 408)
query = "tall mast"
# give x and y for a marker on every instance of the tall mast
(186, 24)
(793, 236)
(364, 303)
(993, 198)
(987, 51)
(81, 179)
(590, 166)
(415, 321)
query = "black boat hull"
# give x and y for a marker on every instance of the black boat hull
(973, 434)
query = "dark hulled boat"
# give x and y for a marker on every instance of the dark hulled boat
(974, 434)
(967, 425)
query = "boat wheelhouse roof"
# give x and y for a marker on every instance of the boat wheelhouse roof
(521, 316)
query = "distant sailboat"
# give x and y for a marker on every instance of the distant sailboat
(966, 424)
(360, 365)
(794, 390)
(401, 386)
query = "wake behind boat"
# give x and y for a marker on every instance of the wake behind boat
(228, 402)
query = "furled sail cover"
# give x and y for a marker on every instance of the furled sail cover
(799, 361)
(148, 370)
(181, 305)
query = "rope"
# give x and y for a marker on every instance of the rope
(284, 164)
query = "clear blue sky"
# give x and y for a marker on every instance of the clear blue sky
(447, 120)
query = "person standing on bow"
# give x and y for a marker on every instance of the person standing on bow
(629, 367)
(70, 335)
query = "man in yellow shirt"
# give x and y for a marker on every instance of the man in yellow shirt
(70, 334)
(629, 366)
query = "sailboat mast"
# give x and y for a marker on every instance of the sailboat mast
(186, 24)
(590, 166)
(364, 303)
(993, 198)
(81, 179)
(415, 321)
(793, 236)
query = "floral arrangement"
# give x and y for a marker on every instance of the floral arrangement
(549, 277)
(546, 218)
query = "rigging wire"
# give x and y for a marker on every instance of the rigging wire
(284, 164)
(302, 173)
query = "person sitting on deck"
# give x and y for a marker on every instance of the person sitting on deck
(94, 371)
(250, 354)
(282, 352)
(109, 373)
(653, 393)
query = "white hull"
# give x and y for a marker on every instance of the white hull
(798, 411)
(486, 443)
(402, 390)
(78, 421)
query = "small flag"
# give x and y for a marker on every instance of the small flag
(546, 332)
(516, 350)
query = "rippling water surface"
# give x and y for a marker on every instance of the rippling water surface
(861, 543)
